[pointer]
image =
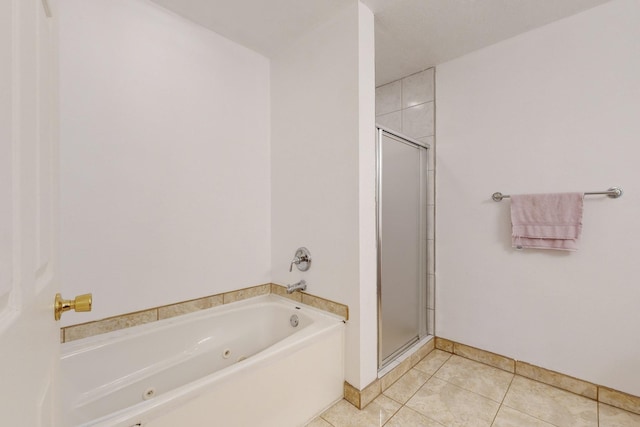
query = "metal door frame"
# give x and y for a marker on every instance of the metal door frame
(424, 157)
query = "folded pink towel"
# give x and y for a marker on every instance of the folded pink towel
(546, 221)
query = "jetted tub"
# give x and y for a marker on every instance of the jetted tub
(239, 364)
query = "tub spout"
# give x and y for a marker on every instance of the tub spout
(300, 286)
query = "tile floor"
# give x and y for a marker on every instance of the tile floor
(451, 391)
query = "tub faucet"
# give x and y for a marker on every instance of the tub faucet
(300, 286)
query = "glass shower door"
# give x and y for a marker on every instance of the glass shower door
(401, 202)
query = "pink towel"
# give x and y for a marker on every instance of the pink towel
(546, 221)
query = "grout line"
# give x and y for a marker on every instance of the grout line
(531, 416)
(389, 113)
(325, 420)
(501, 404)
(392, 415)
(471, 391)
(503, 399)
(548, 385)
(403, 405)
(437, 370)
(434, 372)
(420, 413)
(414, 393)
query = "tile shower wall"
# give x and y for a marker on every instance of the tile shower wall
(408, 106)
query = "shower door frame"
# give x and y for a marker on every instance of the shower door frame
(424, 151)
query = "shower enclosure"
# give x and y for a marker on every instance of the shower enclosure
(401, 201)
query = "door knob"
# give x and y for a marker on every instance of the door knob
(79, 303)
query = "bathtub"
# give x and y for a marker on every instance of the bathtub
(264, 361)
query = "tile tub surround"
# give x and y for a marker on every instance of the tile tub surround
(467, 366)
(445, 389)
(84, 330)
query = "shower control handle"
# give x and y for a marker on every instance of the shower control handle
(296, 261)
(302, 260)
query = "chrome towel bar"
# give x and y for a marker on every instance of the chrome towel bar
(613, 192)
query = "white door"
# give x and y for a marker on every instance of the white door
(29, 335)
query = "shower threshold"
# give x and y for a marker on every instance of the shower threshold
(404, 355)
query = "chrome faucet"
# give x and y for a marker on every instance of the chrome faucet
(300, 286)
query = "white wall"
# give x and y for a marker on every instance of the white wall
(367, 359)
(164, 157)
(555, 109)
(323, 101)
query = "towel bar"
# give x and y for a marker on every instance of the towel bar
(613, 192)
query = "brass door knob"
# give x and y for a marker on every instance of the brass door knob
(79, 303)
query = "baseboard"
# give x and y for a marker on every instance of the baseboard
(599, 393)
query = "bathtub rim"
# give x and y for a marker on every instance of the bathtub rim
(67, 349)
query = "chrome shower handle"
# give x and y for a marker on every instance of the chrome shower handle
(302, 260)
(296, 260)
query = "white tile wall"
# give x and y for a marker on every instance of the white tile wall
(391, 120)
(389, 98)
(411, 97)
(418, 121)
(417, 88)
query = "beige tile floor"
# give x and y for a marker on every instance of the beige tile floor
(451, 391)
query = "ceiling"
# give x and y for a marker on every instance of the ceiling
(266, 26)
(411, 35)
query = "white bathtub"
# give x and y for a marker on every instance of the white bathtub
(240, 364)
